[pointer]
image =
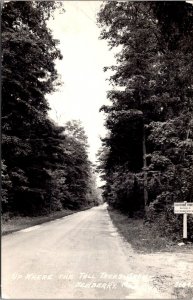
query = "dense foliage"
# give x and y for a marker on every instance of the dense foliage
(147, 157)
(44, 168)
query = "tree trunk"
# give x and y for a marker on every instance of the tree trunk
(145, 173)
(2, 2)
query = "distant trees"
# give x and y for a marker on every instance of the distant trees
(43, 167)
(149, 147)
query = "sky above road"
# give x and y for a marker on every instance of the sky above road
(84, 86)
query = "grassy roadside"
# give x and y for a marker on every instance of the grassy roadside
(143, 237)
(9, 225)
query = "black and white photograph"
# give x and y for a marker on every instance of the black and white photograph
(96, 149)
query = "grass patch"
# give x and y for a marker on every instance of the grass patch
(143, 237)
(15, 223)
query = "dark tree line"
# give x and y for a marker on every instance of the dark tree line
(147, 155)
(44, 166)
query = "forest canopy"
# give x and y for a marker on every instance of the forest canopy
(45, 167)
(147, 156)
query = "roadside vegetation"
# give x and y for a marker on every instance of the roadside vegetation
(12, 223)
(45, 167)
(147, 156)
(143, 237)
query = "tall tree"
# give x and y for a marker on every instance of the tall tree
(79, 166)
(28, 55)
(45, 166)
(151, 98)
(131, 26)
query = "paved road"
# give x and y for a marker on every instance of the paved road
(78, 256)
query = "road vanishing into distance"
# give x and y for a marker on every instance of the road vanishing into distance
(83, 256)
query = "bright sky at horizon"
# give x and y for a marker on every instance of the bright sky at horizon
(84, 86)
